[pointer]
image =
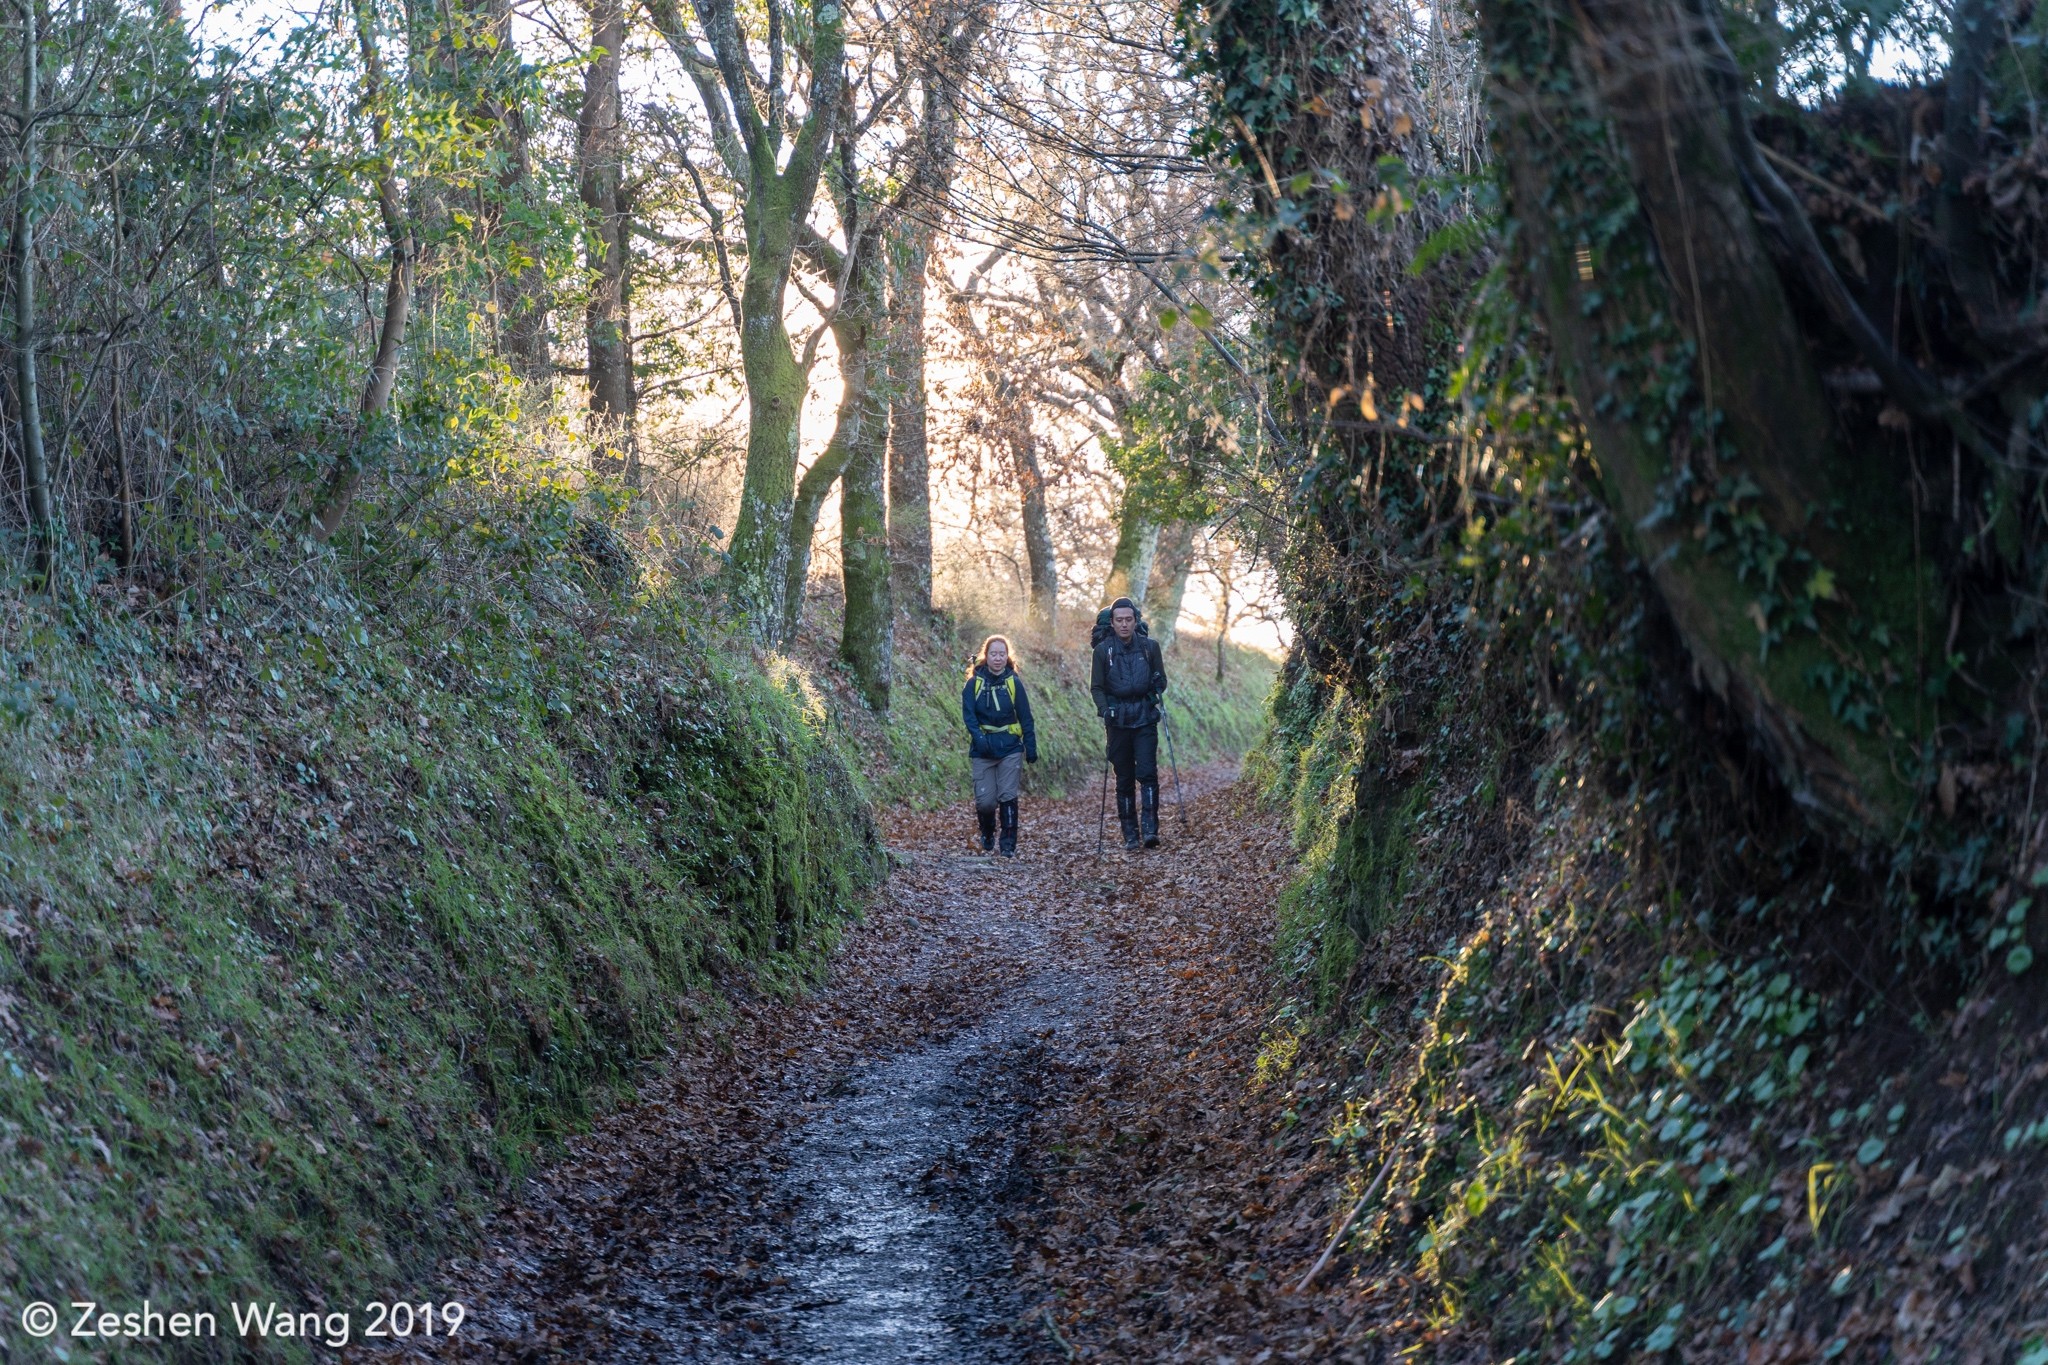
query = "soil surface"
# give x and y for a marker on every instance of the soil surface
(1017, 1123)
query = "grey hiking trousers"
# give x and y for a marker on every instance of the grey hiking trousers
(996, 779)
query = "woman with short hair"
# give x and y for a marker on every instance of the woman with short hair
(1001, 740)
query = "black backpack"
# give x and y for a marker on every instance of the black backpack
(1103, 629)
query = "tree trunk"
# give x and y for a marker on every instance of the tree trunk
(1130, 567)
(811, 493)
(1038, 543)
(1170, 570)
(117, 381)
(910, 496)
(861, 422)
(124, 465)
(778, 200)
(1625, 157)
(759, 565)
(35, 470)
(909, 243)
(599, 154)
(868, 639)
(520, 288)
(372, 412)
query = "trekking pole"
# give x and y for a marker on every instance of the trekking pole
(1102, 820)
(1180, 803)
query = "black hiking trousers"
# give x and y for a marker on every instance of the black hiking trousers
(1135, 756)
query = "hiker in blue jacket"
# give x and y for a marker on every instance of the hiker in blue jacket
(997, 712)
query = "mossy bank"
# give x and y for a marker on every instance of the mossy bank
(321, 924)
(1631, 1062)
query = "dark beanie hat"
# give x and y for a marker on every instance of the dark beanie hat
(1124, 602)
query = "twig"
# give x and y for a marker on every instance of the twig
(1072, 1354)
(1345, 1226)
(1783, 162)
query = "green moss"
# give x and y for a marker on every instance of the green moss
(305, 954)
(1351, 828)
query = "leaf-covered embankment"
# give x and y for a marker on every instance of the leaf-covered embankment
(322, 923)
(1620, 1055)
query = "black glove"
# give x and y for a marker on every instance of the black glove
(1031, 755)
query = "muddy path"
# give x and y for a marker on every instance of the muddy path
(861, 1175)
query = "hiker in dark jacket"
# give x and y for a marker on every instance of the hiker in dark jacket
(1001, 740)
(1127, 680)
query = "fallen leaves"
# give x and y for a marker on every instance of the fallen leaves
(1167, 1216)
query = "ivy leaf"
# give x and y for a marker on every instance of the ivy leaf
(1821, 587)
(2019, 959)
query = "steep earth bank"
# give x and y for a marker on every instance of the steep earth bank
(320, 923)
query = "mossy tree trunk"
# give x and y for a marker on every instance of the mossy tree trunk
(1784, 555)
(1041, 555)
(867, 638)
(520, 283)
(373, 412)
(859, 321)
(910, 495)
(778, 196)
(35, 469)
(600, 155)
(1130, 564)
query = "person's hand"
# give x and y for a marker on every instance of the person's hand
(1031, 757)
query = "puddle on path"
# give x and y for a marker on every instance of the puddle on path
(884, 1230)
(898, 1254)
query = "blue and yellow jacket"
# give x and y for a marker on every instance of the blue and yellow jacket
(997, 712)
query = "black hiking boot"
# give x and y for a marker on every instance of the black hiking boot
(1150, 794)
(1008, 847)
(988, 828)
(1127, 818)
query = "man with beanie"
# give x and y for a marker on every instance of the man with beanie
(1127, 680)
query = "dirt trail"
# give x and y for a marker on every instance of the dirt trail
(895, 1168)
